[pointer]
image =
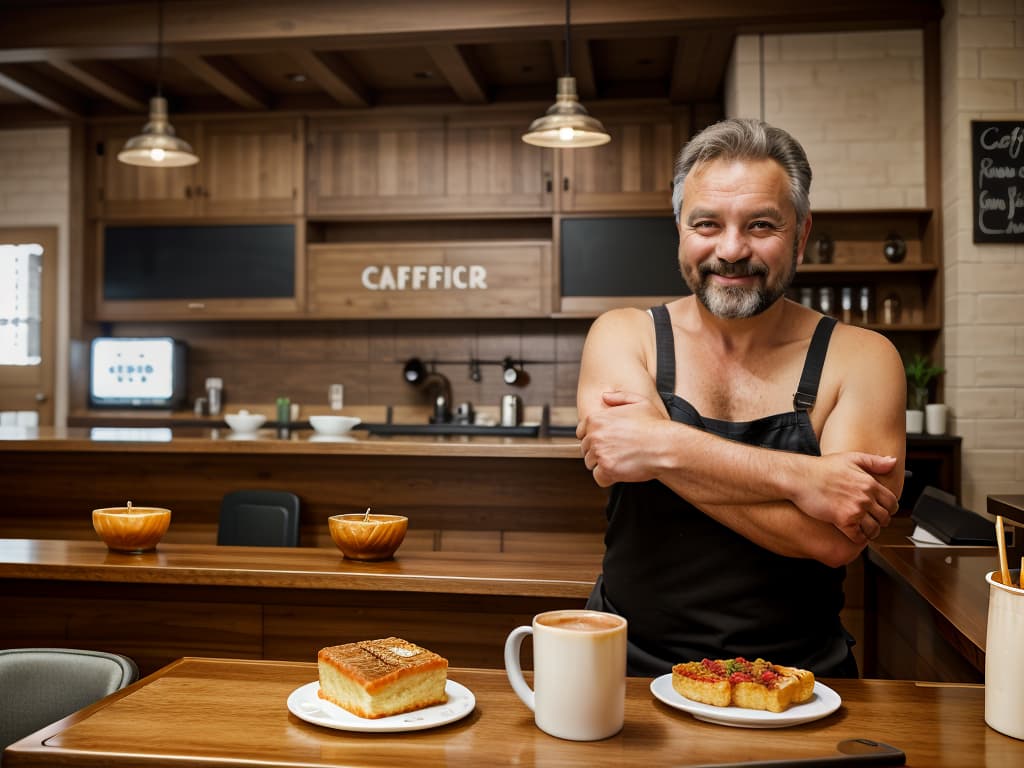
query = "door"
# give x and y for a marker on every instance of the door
(28, 316)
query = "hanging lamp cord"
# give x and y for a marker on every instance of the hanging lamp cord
(567, 49)
(159, 47)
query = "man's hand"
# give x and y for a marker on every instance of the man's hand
(617, 441)
(843, 489)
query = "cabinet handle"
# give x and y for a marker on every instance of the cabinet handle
(196, 305)
(565, 183)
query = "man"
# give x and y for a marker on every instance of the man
(735, 503)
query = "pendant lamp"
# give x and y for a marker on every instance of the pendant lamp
(157, 146)
(567, 123)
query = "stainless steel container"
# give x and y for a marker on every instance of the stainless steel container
(511, 410)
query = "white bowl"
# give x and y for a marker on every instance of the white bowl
(245, 422)
(333, 425)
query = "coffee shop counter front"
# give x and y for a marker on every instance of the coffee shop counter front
(463, 493)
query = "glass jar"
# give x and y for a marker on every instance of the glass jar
(826, 301)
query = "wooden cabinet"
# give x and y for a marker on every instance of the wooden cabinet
(411, 166)
(250, 167)
(633, 172)
(430, 279)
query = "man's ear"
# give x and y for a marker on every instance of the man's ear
(804, 235)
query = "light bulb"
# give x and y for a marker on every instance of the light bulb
(157, 154)
(565, 133)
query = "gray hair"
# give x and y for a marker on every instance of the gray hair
(746, 139)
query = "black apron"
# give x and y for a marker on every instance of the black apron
(692, 588)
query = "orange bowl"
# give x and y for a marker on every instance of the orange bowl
(375, 538)
(131, 529)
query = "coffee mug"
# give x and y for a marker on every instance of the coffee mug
(1004, 663)
(579, 675)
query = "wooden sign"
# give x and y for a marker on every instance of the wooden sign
(436, 279)
(997, 163)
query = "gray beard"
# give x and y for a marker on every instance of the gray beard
(734, 303)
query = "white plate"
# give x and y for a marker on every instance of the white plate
(306, 705)
(823, 702)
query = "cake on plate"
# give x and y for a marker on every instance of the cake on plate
(378, 678)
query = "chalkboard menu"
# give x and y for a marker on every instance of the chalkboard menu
(997, 162)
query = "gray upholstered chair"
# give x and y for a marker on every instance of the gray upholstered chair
(259, 518)
(39, 686)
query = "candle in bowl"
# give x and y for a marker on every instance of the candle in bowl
(131, 529)
(368, 537)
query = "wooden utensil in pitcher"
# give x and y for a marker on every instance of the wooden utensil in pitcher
(1001, 543)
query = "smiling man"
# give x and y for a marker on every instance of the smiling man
(752, 446)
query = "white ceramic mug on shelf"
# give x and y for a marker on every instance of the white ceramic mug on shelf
(579, 676)
(1004, 662)
(935, 418)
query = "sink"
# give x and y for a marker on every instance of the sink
(530, 430)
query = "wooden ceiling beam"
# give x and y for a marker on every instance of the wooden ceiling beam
(332, 73)
(107, 81)
(462, 75)
(228, 79)
(208, 27)
(31, 86)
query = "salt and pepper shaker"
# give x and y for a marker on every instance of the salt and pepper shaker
(891, 309)
(826, 297)
(865, 305)
(214, 388)
(846, 303)
(807, 297)
(336, 396)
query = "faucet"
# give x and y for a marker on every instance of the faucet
(440, 387)
(436, 385)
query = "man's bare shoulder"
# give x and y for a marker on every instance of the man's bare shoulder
(859, 346)
(622, 320)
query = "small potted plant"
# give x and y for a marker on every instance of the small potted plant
(920, 373)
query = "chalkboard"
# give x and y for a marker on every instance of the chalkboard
(997, 162)
(627, 256)
(199, 262)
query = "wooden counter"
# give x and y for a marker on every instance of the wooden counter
(926, 610)
(468, 493)
(210, 712)
(275, 602)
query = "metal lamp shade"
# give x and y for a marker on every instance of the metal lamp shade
(567, 123)
(157, 146)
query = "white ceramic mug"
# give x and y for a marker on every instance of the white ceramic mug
(1004, 662)
(935, 418)
(579, 676)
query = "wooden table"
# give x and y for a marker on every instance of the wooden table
(275, 602)
(211, 712)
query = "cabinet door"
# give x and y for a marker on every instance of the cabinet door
(489, 168)
(633, 172)
(359, 166)
(126, 191)
(251, 167)
(430, 279)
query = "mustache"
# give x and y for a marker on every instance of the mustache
(731, 269)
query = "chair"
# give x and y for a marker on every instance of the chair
(259, 518)
(39, 686)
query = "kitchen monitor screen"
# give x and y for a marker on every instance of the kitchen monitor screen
(137, 372)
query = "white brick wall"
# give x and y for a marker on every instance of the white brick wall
(34, 192)
(856, 102)
(983, 79)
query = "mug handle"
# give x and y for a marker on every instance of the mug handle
(513, 667)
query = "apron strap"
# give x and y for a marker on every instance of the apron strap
(665, 379)
(807, 391)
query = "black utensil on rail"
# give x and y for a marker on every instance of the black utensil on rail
(851, 752)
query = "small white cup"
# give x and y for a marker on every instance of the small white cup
(1004, 662)
(915, 422)
(579, 673)
(935, 418)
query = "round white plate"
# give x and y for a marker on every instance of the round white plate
(306, 705)
(823, 702)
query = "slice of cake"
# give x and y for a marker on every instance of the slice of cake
(378, 678)
(737, 682)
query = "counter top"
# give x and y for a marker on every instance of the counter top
(198, 440)
(304, 568)
(233, 712)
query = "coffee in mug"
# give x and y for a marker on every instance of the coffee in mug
(579, 676)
